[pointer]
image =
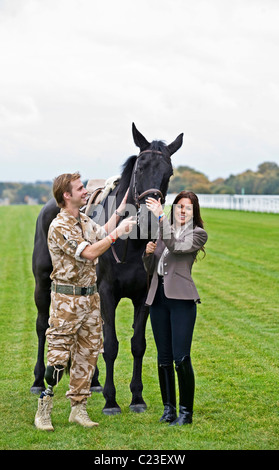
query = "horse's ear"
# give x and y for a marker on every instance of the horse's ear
(139, 139)
(176, 144)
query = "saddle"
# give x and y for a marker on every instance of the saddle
(98, 190)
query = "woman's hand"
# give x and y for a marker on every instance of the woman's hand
(150, 248)
(154, 206)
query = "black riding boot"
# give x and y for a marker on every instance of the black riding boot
(186, 384)
(167, 387)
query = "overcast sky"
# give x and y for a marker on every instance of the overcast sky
(75, 74)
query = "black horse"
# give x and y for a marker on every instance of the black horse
(120, 271)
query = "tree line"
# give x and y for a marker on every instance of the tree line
(24, 193)
(263, 181)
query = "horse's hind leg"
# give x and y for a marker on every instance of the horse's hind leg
(138, 346)
(95, 384)
(42, 300)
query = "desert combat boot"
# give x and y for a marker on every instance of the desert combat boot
(43, 415)
(79, 415)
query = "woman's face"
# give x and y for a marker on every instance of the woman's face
(183, 211)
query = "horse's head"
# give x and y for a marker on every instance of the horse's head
(151, 173)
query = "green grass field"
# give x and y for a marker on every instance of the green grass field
(234, 353)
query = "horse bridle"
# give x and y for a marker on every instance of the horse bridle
(137, 197)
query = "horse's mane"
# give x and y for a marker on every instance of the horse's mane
(127, 169)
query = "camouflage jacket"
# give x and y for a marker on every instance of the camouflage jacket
(67, 238)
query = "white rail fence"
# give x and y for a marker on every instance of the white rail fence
(253, 203)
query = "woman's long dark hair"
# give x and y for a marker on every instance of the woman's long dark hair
(197, 220)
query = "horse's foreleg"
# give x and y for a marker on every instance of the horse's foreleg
(108, 308)
(138, 346)
(110, 353)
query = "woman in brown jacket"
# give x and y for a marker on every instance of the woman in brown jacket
(173, 297)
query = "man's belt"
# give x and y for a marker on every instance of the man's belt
(73, 290)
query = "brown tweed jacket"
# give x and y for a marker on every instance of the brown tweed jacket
(177, 262)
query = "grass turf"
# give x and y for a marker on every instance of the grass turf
(234, 352)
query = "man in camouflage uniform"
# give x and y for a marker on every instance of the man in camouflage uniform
(75, 325)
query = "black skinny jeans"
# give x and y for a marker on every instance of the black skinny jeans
(172, 322)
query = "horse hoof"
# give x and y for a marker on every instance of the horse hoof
(96, 389)
(37, 390)
(138, 408)
(111, 411)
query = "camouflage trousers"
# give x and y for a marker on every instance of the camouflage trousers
(75, 331)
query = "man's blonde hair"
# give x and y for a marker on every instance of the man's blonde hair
(62, 184)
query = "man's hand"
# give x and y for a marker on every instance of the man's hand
(122, 205)
(126, 226)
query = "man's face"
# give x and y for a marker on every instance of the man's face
(78, 196)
